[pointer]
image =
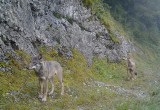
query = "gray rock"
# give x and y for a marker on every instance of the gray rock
(5, 69)
(23, 23)
(64, 51)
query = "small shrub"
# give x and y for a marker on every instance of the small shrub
(57, 15)
(88, 3)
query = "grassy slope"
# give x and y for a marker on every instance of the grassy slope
(146, 57)
(19, 87)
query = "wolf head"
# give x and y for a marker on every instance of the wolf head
(36, 62)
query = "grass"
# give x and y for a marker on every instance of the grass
(19, 87)
(109, 71)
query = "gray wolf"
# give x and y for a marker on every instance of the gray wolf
(45, 71)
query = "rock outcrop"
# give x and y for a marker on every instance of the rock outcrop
(23, 23)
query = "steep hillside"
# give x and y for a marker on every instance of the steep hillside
(86, 40)
(140, 19)
(28, 23)
(100, 86)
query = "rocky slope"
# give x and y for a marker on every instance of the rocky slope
(62, 23)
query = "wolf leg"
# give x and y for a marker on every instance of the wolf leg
(52, 86)
(41, 83)
(62, 88)
(45, 90)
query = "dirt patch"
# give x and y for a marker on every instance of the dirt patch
(135, 92)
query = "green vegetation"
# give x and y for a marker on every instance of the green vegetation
(88, 3)
(101, 86)
(19, 88)
(140, 19)
(137, 20)
(57, 15)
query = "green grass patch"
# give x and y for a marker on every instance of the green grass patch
(88, 3)
(57, 15)
(19, 88)
(109, 71)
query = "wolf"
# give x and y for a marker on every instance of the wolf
(131, 68)
(45, 71)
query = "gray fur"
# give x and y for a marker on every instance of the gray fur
(131, 71)
(45, 70)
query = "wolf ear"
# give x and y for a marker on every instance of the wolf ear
(40, 56)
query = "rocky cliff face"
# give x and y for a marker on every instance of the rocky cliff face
(55, 22)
